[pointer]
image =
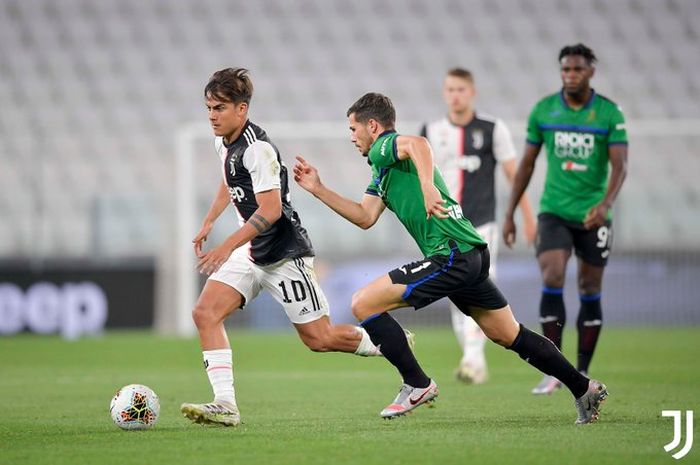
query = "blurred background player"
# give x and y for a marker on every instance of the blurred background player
(467, 146)
(583, 133)
(455, 263)
(270, 250)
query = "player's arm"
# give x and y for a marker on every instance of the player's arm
(510, 167)
(363, 214)
(268, 212)
(520, 182)
(260, 159)
(418, 150)
(218, 205)
(617, 155)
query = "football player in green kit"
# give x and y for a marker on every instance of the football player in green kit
(455, 263)
(583, 133)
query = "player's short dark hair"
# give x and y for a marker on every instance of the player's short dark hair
(461, 73)
(374, 106)
(581, 50)
(230, 85)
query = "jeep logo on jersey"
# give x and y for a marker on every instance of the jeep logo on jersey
(470, 163)
(573, 145)
(237, 194)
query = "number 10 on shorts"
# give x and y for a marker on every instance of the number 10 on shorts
(297, 290)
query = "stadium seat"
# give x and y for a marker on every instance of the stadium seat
(103, 87)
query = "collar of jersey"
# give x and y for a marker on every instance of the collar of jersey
(449, 121)
(245, 126)
(585, 107)
(385, 133)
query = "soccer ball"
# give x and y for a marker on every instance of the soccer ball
(135, 407)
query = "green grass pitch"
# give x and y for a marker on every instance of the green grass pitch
(304, 408)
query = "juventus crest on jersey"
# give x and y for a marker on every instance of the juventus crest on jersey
(252, 164)
(467, 158)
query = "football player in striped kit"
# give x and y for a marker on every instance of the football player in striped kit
(270, 251)
(467, 146)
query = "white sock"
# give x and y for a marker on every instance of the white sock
(474, 344)
(219, 366)
(366, 347)
(458, 321)
(470, 337)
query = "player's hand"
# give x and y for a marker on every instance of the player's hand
(434, 203)
(306, 175)
(596, 216)
(509, 231)
(202, 237)
(212, 260)
(530, 230)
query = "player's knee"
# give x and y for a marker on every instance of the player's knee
(203, 316)
(498, 337)
(553, 278)
(588, 286)
(501, 336)
(553, 272)
(499, 326)
(358, 306)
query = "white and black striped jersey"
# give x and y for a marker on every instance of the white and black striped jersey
(252, 164)
(467, 158)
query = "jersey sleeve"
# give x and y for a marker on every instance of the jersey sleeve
(618, 128)
(385, 153)
(503, 147)
(440, 157)
(534, 134)
(372, 189)
(260, 159)
(220, 148)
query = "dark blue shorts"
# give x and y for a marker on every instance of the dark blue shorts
(590, 245)
(462, 277)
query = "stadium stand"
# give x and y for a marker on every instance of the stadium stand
(92, 94)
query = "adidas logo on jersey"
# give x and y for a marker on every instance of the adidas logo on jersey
(304, 311)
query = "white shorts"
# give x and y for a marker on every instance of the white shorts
(489, 232)
(291, 282)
